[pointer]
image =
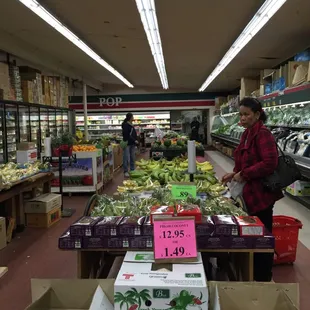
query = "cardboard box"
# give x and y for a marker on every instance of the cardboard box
(299, 188)
(87, 294)
(2, 233)
(250, 226)
(162, 284)
(247, 87)
(84, 226)
(291, 70)
(253, 296)
(43, 203)
(43, 220)
(29, 156)
(25, 146)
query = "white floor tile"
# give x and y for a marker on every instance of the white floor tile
(286, 206)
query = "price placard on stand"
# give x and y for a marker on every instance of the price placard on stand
(183, 190)
(175, 240)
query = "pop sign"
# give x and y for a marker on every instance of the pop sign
(175, 239)
(181, 191)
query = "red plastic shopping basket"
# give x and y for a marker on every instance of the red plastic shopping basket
(285, 230)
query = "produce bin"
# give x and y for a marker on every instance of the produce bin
(86, 175)
(285, 230)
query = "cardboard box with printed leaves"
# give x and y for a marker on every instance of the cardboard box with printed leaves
(160, 286)
(71, 294)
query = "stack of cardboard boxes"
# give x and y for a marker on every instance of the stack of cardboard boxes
(292, 74)
(5, 87)
(29, 85)
(16, 82)
(43, 211)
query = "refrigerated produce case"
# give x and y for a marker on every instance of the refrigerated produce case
(26, 122)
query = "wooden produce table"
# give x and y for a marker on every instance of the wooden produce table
(13, 197)
(92, 263)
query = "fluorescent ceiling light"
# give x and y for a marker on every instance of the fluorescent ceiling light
(148, 16)
(39, 10)
(260, 19)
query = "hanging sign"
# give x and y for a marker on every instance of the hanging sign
(181, 191)
(175, 239)
(110, 101)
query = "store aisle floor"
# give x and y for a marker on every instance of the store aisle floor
(34, 253)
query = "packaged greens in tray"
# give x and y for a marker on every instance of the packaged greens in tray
(220, 205)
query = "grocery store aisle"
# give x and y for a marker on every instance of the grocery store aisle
(35, 254)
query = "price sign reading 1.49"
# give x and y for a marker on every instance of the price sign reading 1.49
(183, 190)
(175, 239)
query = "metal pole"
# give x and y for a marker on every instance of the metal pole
(85, 110)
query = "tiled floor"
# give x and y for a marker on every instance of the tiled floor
(34, 253)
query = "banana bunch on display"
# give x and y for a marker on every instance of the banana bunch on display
(204, 167)
(165, 172)
(11, 173)
(130, 186)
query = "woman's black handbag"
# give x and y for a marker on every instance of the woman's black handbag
(286, 173)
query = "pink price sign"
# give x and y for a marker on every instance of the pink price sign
(175, 238)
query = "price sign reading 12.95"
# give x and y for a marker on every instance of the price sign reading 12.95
(175, 239)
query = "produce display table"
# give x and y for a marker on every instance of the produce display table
(13, 197)
(92, 263)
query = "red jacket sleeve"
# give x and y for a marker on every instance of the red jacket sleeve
(268, 155)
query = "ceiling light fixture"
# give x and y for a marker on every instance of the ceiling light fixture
(260, 19)
(39, 10)
(148, 16)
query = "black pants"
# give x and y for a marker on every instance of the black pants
(263, 262)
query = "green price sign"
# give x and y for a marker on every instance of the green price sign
(182, 191)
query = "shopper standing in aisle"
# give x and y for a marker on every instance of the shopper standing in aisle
(195, 125)
(256, 158)
(130, 140)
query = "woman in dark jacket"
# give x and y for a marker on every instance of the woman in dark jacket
(129, 136)
(256, 157)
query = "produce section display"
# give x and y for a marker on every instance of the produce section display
(172, 145)
(150, 174)
(126, 223)
(139, 205)
(289, 124)
(11, 173)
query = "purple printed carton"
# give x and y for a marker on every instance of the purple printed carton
(131, 226)
(107, 226)
(239, 242)
(206, 227)
(93, 243)
(212, 242)
(263, 242)
(225, 225)
(147, 228)
(68, 242)
(141, 243)
(84, 226)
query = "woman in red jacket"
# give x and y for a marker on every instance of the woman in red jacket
(256, 157)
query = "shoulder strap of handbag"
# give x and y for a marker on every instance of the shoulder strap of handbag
(278, 147)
